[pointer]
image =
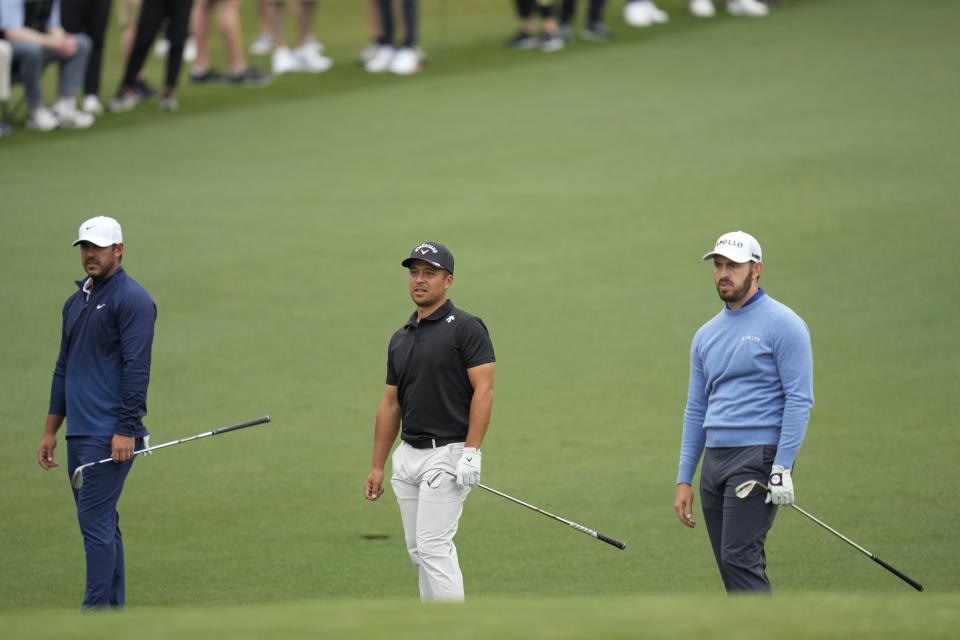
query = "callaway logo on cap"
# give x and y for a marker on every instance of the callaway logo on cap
(737, 246)
(433, 253)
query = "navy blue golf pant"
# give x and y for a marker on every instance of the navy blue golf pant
(99, 521)
(738, 528)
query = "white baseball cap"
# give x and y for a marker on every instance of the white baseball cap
(101, 231)
(739, 246)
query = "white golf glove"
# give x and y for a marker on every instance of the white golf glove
(781, 486)
(146, 445)
(468, 468)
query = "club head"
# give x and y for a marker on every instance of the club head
(77, 478)
(744, 488)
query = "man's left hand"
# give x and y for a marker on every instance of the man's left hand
(468, 468)
(121, 448)
(780, 486)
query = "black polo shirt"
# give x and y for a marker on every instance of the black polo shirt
(428, 363)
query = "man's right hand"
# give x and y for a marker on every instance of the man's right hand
(45, 453)
(683, 505)
(64, 44)
(373, 487)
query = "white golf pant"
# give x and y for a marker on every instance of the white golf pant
(430, 506)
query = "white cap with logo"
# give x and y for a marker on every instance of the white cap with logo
(100, 231)
(737, 246)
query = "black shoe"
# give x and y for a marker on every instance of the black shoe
(524, 40)
(207, 76)
(144, 91)
(597, 32)
(249, 77)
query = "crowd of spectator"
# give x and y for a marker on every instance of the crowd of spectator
(35, 33)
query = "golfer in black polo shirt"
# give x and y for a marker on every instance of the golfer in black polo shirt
(440, 386)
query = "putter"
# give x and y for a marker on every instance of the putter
(569, 523)
(77, 478)
(743, 490)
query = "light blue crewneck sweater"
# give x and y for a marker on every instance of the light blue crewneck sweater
(751, 383)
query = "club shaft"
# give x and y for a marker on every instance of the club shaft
(833, 531)
(205, 434)
(913, 583)
(569, 523)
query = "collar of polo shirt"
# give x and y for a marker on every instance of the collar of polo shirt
(439, 314)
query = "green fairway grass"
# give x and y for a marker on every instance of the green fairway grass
(746, 618)
(578, 191)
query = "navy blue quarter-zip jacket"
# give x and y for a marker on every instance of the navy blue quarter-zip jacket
(101, 376)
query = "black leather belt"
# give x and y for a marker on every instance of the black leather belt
(431, 443)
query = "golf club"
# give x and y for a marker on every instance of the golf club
(743, 490)
(569, 523)
(77, 478)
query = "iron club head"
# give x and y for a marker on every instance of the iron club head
(77, 478)
(744, 488)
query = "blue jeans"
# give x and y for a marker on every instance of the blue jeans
(29, 59)
(99, 521)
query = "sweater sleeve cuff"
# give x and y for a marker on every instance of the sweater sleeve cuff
(124, 430)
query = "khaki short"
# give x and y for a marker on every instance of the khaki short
(128, 13)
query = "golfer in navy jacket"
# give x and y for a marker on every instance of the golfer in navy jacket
(100, 387)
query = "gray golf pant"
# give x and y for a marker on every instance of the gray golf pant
(738, 528)
(29, 59)
(431, 504)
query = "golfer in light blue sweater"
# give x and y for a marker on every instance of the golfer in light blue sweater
(749, 399)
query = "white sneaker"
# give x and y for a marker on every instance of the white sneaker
(405, 62)
(262, 44)
(283, 61)
(380, 61)
(190, 50)
(69, 117)
(659, 15)
(368, 53)
(314, 44)
(42, 119)
(747, 8)
(91, 104)
(643, 13)
(702, 8)
(161, 48)
(311, 60)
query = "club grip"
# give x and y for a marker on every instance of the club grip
(615, 543)
(242, 425)
(913, 583)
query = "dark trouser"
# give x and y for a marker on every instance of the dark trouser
(525, 8)
(738, 528)
(99, 521)
(387, 23)
(152, 14)
(594, 11)
(89, 17)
